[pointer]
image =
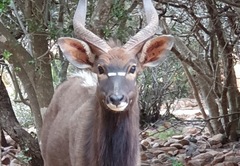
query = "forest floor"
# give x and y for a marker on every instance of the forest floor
(184, 140)
(179, 139)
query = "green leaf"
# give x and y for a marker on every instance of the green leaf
(4, 4)
(31, 62)
(17, 68)
(176, 163)
(6, 55)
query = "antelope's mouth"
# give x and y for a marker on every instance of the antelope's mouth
(121, 107)
(117, 102)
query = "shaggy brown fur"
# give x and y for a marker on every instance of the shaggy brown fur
(82, 130)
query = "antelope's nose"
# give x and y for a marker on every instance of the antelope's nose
(116, 99)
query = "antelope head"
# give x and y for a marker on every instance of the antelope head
(116, 67)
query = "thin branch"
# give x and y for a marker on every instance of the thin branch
(18, 18)
(188, 10)
(194, 66)
(1, 140)
(41, 56)
(195, 93)
(191, 121)
(22, 27)
(129, 10)
(17, 88)
(231, 3)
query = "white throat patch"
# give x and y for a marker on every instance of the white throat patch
(88, 78)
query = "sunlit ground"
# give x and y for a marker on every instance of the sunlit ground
(237, 71)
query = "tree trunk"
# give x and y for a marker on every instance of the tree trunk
(42, 77)
(3, 140)
(100, 17)
(20, 58)
(233, 95)
(197, 97)
(211, 104)
(229, 96)
(9, 123)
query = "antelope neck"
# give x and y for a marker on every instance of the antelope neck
(114, 137)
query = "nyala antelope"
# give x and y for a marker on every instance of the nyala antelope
(99, 125)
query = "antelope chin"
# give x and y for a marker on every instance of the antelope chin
(118, 108)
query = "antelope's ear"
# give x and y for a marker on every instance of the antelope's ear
(77, 52)
(154, 49)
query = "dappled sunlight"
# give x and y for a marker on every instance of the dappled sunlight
(237, 72)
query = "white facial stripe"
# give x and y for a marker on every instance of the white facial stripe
(121, 73)
(112, 74)
(115, 74)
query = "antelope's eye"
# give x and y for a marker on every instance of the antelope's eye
(100, 70)
(132, 69)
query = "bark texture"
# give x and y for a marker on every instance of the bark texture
(9, 123)
(20, 58)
